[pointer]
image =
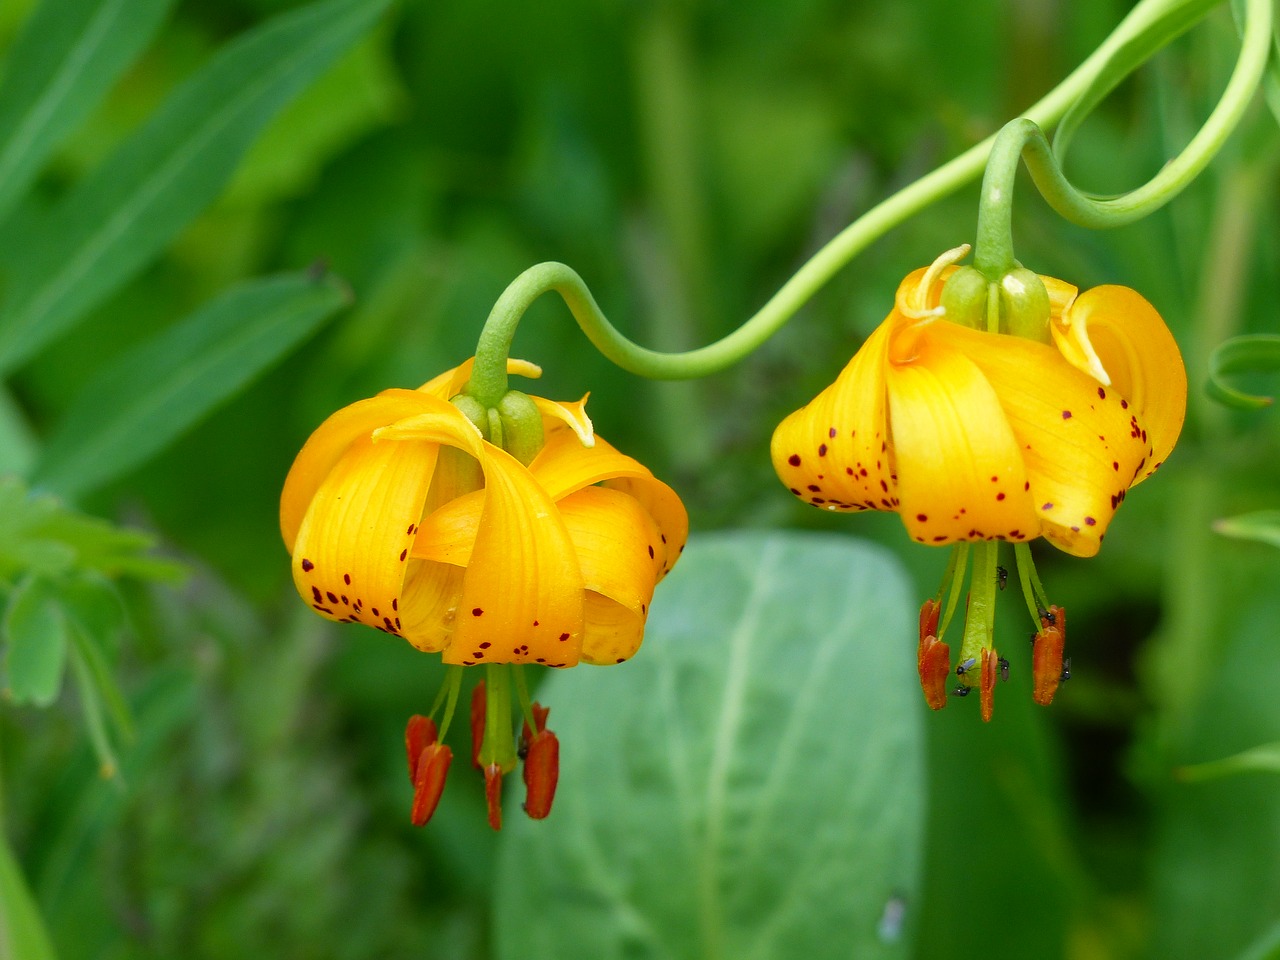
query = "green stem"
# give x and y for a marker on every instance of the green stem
(452, 684)
(489, 379)
(981, 616)
(498, 745)
(953, 583)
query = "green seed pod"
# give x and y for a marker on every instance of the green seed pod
(474, 411)
(964, 297)
(521, 426)
(1024, 305)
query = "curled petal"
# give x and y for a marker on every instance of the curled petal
(1136, 349)
(330, 441)
(573, 415)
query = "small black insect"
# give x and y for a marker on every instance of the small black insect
(1002, 577)
(1049, 617)
(963, 668)
(962, 690)
(1004, 669)
(1066, 670)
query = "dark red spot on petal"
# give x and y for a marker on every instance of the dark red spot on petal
(307, 566)
(794, 459)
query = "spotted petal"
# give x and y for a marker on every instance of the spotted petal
(522, 590)
(1140, 355)
(1080, 441)
(352, 545)
(833, 453)
(960, 469)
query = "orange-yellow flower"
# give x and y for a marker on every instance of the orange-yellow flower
(551, 563)
(970, 435)
(399, 514)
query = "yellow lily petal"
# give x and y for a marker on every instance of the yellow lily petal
(1132, 343)
(960, 469)
(353, 543)
(614, 539)
(1061, 294)
(328, 443)
(522, 592)
(1079, 440)
(573, 415)
(833, 453)
(429, 603)
(564, 466)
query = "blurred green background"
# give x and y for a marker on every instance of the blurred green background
(685, 158)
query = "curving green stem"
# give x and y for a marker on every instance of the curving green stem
(489, 377)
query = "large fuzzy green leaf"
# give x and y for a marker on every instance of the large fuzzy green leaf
(750, 786)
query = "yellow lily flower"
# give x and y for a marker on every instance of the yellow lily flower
(970, 435)
(551, 563)
(400, 515)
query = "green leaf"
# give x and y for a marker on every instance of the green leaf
(1127, 58)
(1264, 758)
(35, 633)
(114, 222)
(750, 786)
(1262, 525)
(40, 534)
(63, 63)
(1267, 946)
(165, 386)
(1251, 353)
(22, 930)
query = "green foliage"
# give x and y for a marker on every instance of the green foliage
(1257, 352)
(194, 160)
(166, 385)
(709, 802)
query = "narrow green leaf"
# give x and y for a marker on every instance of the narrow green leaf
(35, 633)
(168, 384)
(22, 931)
(750, 786)
(1252, 353)
(1262, 525)
(63, 63)
(91, 707)
(1264, 758)
(119, 218)
(1128, 58)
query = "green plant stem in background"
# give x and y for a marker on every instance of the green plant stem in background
(1021, 137)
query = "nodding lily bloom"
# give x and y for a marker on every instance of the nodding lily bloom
(974, 437)
(401, 516)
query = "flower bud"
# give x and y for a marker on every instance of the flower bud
(964, 297)
(1024, 305)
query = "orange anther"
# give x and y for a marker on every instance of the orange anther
(541, 771)
(428, 782)
(935, 669)
(1046, 655)
(419, 732)
(929, 611)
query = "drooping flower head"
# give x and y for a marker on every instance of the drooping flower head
(403, 514)
(974, 436)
